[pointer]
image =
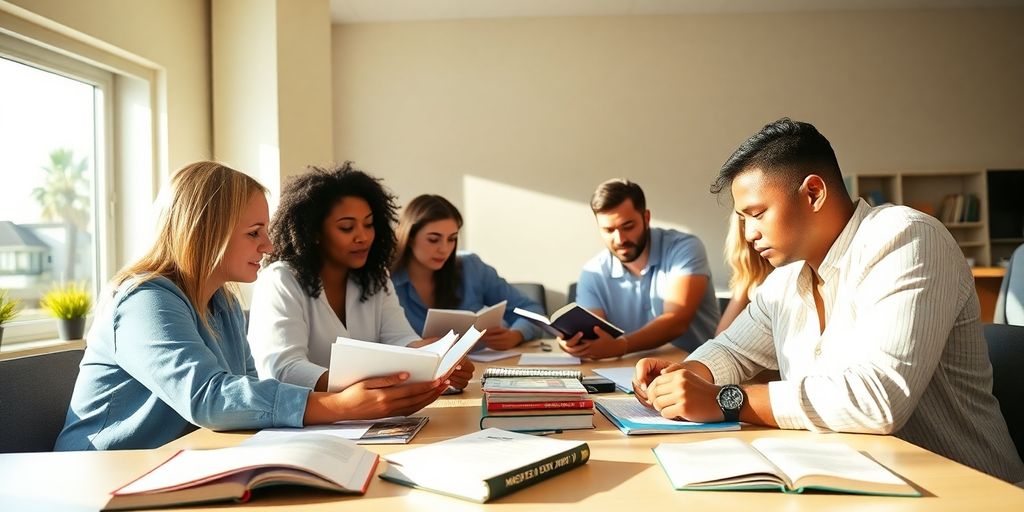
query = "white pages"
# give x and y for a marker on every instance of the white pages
(440, 321)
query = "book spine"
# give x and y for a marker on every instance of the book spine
(530, 474)
(505, 406)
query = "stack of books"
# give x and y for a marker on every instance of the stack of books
(536, 404)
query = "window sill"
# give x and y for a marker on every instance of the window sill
(31, 348)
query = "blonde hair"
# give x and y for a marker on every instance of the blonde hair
(204, 205)
(749, 269)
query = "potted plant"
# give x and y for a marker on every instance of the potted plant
(69, 303)
(8, 310)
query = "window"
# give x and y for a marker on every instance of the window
(54, 126)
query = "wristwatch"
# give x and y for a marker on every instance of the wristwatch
(730, 399)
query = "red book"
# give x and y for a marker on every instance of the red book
(519, 406)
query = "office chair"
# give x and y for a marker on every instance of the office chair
(571, 296)
(35, 392)
(1010, 302)
(1006, 351)
(534, 292)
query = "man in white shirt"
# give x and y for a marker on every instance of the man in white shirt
(871, 317)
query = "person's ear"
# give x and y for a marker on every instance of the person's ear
(814, 191)
(647, 217)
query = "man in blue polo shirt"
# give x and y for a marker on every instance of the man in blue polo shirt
(654, 284)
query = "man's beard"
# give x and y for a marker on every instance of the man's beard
(636, 249)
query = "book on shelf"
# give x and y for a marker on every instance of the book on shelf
(393, 430)
(225, 474)
(633, 418)
(354, 360)
(569, 320)
(440, 321)
(486, 465)
(770, 463)
(505, 371)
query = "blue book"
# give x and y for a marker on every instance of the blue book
(632, 418)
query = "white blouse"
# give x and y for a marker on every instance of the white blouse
(291, 333)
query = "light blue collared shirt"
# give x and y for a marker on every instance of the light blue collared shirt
(631, 302)
(481, 287)
(153, 373)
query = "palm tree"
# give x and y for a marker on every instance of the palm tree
(65, 196)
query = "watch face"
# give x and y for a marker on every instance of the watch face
(730, 398)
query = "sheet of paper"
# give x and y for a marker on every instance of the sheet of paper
(487, 355)
(458, 351)
(352, 430)
(442, 345)
(548, 360)
(622, 377)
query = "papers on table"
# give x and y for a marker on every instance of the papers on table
(393, 430)
(487, 355)
(548, 360)
(622, 377)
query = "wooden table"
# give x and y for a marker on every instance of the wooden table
(622, 474)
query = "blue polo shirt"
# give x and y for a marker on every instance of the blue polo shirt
(631, 302)
(481, 287)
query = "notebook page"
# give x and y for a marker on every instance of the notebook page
(708, 461)
(798, 459)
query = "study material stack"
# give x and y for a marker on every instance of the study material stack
(632, 418)
(225, 474)
(354, 360)
(484, 465)
(536, 404)
(771, 463)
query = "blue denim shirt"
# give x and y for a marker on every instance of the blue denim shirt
(481, 287)
(631, 302)
(152, 373)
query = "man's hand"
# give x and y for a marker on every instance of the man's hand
(682, 393)
(646, 370)
(499, 338)
(603, 347)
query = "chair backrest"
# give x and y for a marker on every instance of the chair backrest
(35, 392)
(1006, 350)
(1010, 302)
(571, 296)
(534, 292)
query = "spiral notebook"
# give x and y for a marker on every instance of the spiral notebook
(557, 373)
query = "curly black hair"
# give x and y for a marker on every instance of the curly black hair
(305, 203)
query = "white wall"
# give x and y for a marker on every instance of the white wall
(517, 120)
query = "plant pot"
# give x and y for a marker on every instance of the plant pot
(71, 328)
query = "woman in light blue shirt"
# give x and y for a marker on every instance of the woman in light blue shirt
(430, 273)
(167, 350)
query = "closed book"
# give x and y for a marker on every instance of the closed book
(771, 463)
(569, 320)
(632, 418)
(541, 405)
(490, 463)
(533, 385)
(514, 398)
(225, 474)
(537, 419)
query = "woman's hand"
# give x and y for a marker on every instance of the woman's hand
(463, 373)
(377, 397)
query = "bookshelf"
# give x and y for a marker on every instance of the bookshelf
(930, 192)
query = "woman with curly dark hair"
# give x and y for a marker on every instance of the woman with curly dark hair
(327, 277)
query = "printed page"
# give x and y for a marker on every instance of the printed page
(458, 351)
(621, 376)
(443, 345)
(491, 316)
(532, 359)
(799, 459)
(721, 460)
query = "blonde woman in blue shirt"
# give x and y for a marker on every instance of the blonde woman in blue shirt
(429, 273)
(167, 351)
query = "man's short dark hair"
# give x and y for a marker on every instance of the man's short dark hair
(786, 150)
(612, 193)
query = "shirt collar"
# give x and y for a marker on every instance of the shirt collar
(618, 270)
(399, 277)
(840, 248)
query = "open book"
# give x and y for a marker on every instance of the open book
(569, 320)
(778, 464)
(393, 430)
(484, 465)
(354, 360)
(198, 476)
(440, 321)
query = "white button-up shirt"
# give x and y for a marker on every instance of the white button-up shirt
(902, 351)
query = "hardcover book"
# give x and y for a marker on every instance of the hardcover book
(569, 320)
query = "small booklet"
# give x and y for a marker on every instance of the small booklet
(729, 464)
(393, 430)
(224, 474)
(632, 417)
(569, 320)
(622, 376)
(484, 465)
(353, 360)
(440, 321)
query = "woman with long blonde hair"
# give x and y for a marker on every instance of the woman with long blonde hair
(749, 270)
(167, 351)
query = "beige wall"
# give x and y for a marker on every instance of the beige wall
(517, 120)
(175, 34)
